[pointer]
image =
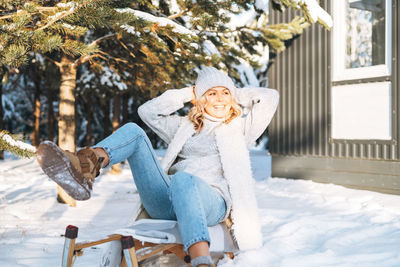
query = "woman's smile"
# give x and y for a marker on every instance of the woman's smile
(219, 102)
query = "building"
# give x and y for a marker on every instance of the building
(338, 118)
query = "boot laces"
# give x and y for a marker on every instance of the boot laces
(97, 165)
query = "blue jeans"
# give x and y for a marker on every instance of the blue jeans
(183, 197)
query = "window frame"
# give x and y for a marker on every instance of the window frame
(339, 72)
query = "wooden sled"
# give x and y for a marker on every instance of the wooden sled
(134, 251)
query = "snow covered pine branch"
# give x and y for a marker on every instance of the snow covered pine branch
(161, 21)
(16, 147)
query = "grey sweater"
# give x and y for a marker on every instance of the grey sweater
(200, 157)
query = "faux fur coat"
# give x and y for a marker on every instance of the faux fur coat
(233, 140)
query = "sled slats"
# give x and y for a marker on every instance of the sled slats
(179, 252)
(83, 245)
(148, 252)
(140, 244)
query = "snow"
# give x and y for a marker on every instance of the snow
(16, 143)
(210, 48)
(65, 5)
(317, 13)
(263, 59)
(303, 223)
(71, 5)
(262, 5)
(242, 19)
(247, 73)
(163, 22)
(69, 26)
(194, 45)
(131, 30)
(174, 8)
(111, 78)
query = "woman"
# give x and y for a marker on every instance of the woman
(205, 176)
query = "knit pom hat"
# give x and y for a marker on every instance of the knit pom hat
(210, 77)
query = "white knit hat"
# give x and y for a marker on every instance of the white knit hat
(210, 77)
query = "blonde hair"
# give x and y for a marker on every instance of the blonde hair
(196, 113)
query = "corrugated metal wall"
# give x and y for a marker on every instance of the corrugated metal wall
(302, 76)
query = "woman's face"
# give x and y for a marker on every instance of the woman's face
(219, 102)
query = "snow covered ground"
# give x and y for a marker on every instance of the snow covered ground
(304, 223)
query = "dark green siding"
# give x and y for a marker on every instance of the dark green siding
(300, 131)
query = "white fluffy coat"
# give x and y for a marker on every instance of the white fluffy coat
(232, 139)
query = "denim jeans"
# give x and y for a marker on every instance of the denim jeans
(183, 197)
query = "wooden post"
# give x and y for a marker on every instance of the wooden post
(71, 233)
(128, 248)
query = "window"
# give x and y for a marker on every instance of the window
(362, 39)
(361, 56)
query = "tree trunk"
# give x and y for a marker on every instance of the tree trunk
(66, 121)
(1, 110)
(36, 116)
(125, 99)
(50, 114)
(116, 112)
(116, 168)
(88, 111)
(107, 124)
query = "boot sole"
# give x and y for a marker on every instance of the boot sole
(58, 167)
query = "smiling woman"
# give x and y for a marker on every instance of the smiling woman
(205, 176)
(216, 102)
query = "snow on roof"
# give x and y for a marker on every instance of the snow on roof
(159, 20)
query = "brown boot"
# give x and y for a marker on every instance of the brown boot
(74, 172)
(87, 163)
